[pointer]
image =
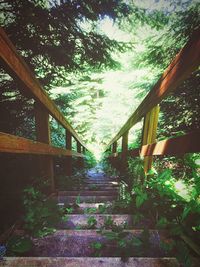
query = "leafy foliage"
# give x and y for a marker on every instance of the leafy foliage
(19, 245)
(91, 222)
(41, 213)
(167, 200)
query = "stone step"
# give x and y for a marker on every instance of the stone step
(85, 199)
(93, 187)
(87, 261)
(100, 179)
(92, 208)
(80, 243)
(88, 193)
(103, 182)
(82, 221)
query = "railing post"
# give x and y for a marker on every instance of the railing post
(124, 151)
(68, 161)
(114, 147)
(79, 150)
(43, 135)
(149, 134)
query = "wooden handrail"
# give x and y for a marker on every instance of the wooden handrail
(18, 66)
(15, 144)
(185, 62)
(188, 143)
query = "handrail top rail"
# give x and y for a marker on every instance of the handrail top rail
(186, 61)
(18, 66)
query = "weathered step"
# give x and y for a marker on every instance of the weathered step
(80, 243)
(92, 208)
(88, 193)
(102, 182)
(86, 199)
(108, 179)
(87, 261)
(83, 221)
(93, 187)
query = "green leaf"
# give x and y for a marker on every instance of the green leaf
(163, 222)
(19, 244)
(140, 199)
(136, 241)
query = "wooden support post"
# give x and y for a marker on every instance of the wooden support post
(124, 152)
(79, 150)
(84, 150)
(43, 135)
(114, 147)
(79, 147)
(68, 161)
(114, 150)
(149, 134)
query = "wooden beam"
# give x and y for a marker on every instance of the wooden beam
(188, 143)
(114, 147)
(18, 66)
(68, 161)
(185, 62)
(45, 163)
(84, 150)
(149, 134)
(80, 160)
(124, 151)
(14, 144)
(114, 155)
(78, 147)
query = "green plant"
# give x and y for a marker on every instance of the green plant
(78, 200)
(41, 213)
(69, 210)
(108, 222)
(91, 222)
(97, 246)
(123, 242)
(90, 161)
(93, 187)
(137, 217)
(90, 210)
(102, 208)
(18, 245)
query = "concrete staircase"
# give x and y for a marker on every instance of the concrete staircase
(72, 243)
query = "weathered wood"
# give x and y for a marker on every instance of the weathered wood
(18, 66)
(124, 151)
(114, 147)
(14, 144)
(188, 143)
(149, 134)
(78, 147)
(45, 163)
(80, 160)
(42, 124)
(191, 243)
(68, 161)
(186, 61)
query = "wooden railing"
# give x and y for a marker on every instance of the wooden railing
(43, 107)
(185, 62)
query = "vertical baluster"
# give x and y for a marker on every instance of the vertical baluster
(43, 135)
(124, 163)
(149, 134)
(68, 161)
